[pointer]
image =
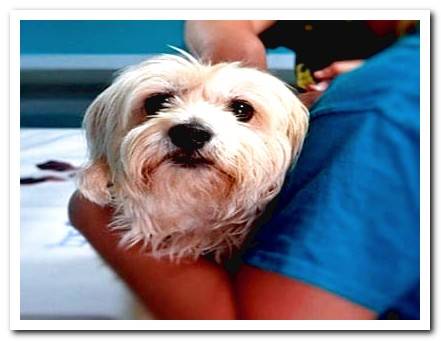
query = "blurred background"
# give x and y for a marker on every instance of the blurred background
(66, 64)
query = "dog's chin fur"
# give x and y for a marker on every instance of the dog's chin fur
(180, 204)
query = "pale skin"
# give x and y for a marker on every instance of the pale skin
(202, 289)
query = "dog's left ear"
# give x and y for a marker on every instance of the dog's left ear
(298, 123)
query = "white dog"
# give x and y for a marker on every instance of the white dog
(189, 154)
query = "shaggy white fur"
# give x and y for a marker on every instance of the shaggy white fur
(186, 211)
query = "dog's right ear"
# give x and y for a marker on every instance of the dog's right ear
(94, 178)
(94, 182)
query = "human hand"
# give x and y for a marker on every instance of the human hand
(326, 75)
(308, 98)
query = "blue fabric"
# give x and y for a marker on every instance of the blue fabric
(347, 219)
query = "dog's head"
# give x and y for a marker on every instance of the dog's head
(199, 131)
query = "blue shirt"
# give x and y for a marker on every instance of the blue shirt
(347, 218)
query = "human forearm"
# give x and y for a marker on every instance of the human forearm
(201, 289)
(234, 40)
(189, 290)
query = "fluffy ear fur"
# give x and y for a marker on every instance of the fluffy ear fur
(94, 178)
(93, 182)
(297, 126)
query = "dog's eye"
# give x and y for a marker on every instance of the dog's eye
(243, 110)
(157, 102)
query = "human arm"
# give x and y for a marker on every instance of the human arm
(170, 291)
(228, 40)
(267, 295)
(202, 289)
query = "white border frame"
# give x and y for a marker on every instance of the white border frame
(16, 16)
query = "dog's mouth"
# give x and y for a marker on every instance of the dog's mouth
(189, 159)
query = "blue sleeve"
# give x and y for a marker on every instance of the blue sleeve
(347, 219)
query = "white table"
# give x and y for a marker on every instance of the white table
(61, 275)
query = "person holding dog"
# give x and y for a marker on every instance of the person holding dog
(343, 238)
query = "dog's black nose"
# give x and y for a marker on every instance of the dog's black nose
(189, 136)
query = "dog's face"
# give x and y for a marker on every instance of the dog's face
(184, 150)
